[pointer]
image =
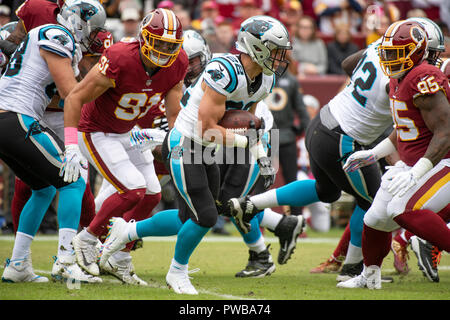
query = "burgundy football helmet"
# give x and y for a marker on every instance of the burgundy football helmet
(404, 45)
(101, 40)
(161, 37)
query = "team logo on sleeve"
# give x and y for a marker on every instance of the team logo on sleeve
(216, 75)
(61, 39)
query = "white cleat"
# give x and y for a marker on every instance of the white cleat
(116, 239)
(180, 283)
(21, 271)
(65, 268)
(123, 270)
(370, 278)
(86, 253)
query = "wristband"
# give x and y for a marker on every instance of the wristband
(240, 141)
(70, 135)
(258, 151)
(422, 166)
(383, 149)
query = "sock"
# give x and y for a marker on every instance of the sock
(189, 237)
(65, 241)
(87, 207)
(86, 236)
(375, 246)
(354, 255)
(356, 226)
(22, 193)
(257, 246)
(426, 225)
(35, 209)
(270, 219)
(178, 267)
(342, 247)
(22, 244)
(298, 194)
(255, 232)
(114, 206)
(163, 223)
(401, 238)
(142, 210)
(69, 205)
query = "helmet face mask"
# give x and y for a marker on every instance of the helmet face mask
(404, 45)
(160, 37)
(266, 41)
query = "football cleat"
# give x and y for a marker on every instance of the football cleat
(350, 270)
(116, 239)
(401, 257)
(332, 265)
(428, 258)
(20, 271)
(86, 253)
(259, 265)
(370, 278)
(65, 268)
(123, 270)
(287, 231)
(180, 282)
(242, 210)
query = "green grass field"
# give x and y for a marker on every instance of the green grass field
(219, 258)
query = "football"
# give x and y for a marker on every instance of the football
(239, 119)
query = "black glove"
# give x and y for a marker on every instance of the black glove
(267, 171)
(253, 134)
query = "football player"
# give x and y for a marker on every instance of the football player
(167, 223)
(45, 60)
(131, 79)
(418, 185)
(34, 13)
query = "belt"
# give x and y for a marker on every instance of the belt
(329, 121)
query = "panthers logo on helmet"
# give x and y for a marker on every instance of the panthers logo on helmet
(87, 11)
(257, 27)
(215, 75)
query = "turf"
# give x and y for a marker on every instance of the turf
(218, 259)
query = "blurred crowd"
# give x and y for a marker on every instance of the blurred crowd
(323, 32)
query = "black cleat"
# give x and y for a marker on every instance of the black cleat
(428, 257)
(287, 231)
(259, 265)
(242, 210)
(350, 270)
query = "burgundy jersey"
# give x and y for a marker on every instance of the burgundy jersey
(35, 13)
(413, 136)
(135, 93)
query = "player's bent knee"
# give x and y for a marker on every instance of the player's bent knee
(328, 197)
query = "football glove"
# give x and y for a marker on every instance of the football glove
(267, 171)
(73, 162)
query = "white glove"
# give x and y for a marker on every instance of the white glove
(147, 138)
(364, 158)
(403, 181)
(72, 164)
(76, 59)
(359, 159)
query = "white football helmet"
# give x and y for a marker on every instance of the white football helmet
(195, 46)
(82, 17)
(6, 29)
(258, 37)
(435, 37)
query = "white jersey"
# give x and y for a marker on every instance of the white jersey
(362, 108)
(226, 75)
(27, 86)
